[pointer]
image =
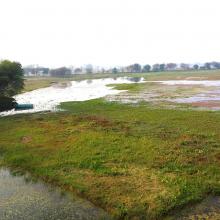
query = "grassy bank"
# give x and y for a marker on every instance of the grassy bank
(131, 160)
(32, 83)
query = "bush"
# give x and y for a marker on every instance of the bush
(7, 103)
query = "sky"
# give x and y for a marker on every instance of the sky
(109, 32)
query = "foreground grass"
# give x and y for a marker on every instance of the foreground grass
(133, 161)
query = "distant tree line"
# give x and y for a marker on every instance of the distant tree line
(133, 68)
(159, 67)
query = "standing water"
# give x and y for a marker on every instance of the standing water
(21, 198)
(47, 99)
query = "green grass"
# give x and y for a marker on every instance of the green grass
(32, 83)
(132, 160)
(134, 87)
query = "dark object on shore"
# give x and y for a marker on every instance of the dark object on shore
(7, 103)
(20, 107)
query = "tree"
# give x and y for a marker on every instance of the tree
(77, 70)
(11, 78)
(184, 66)
(60, 72)
(103, 70)
(196, 67)
(146, 68)
(11, 83)
(208, 66)
(202, 68)
(156, 67)
(171, 66)
(136, 68)
(114, 70)
(162, 67)
(89, 68)
(7, 103)
(216, 65)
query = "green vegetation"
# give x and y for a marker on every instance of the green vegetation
(32, 83)
(134, 87)
(132, 160)
(11, 83)
(11, 78)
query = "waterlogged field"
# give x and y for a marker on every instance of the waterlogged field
(131, 160)
(197, 89)
(47, 99)
(184, 94)
(139, 154)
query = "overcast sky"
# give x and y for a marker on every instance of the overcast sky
(109, 32)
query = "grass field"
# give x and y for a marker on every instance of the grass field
(132, 160)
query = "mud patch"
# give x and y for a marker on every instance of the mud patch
(26, 139)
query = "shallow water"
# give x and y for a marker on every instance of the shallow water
(190, 82)
(210, 95)
(21, 198)
(197, 98)
(47, 99)
(203, 94)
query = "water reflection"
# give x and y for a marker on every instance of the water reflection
(135, 79)
(89, 81)
(62, 85)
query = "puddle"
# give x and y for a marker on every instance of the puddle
(21, 198)
(47, 99)
(198, 93)
(208, 98)
(197, 98)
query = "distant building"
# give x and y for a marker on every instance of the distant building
(36, 71)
